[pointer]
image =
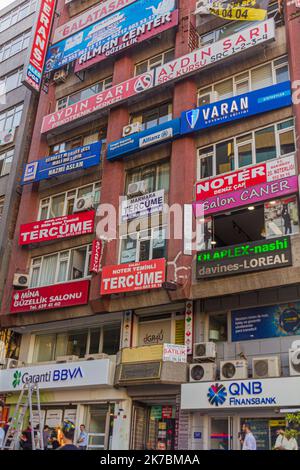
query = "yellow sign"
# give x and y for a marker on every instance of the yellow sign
(277, 423)
(241, 14)
(142, 353)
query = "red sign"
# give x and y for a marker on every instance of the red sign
(167, 412)
(104, 99)
(94, 55)
(40, 44)
(133, 276)
(50, 297)
(96, 256)
(55, 229)
(245, 178)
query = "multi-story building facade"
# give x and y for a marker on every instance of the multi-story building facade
(161, 109)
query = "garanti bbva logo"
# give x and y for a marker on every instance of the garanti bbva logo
(217, 394)
(16, 379)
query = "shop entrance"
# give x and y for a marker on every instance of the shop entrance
(99, 426)
(221, 433)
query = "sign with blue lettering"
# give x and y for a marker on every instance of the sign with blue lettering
(62, 163)
(144, 139)
(266, 322)
(113, 33)
(197, 435)
(241, 106)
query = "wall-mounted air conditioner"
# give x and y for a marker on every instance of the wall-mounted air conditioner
(12, 363)
(92, 357)
(203, 372)
(132, 128)
(203, 351)
(61, 359)
(234, 370)
(21, 280)
(264, 367)
(294, 358)
(60, 76)
(83, 203)
(137, 188)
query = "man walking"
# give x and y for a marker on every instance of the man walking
(249, 441)
(83, 438)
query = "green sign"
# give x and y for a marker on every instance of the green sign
(156, 412)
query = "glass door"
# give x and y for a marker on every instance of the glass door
(98, 420)
(221, 431)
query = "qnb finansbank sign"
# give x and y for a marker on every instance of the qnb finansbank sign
(52, 376)
(176, 69)
(241, 394)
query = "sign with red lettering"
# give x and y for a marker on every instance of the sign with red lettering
(50, 297)
(34, 73)
(212, 53)
(111, 96)
(96, 256)
(250, 176)
(57, 228)
(133, 276)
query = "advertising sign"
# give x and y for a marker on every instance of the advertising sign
(174, 353)
(58, 376)
(245, 257)
(212, 53)
(266, 322)
(34, 72)
(142, 206)
(50, 297)
(146, 138)
(89, 17)
(252, 393)
(62, 163)
(247, 177)
(113, 33)
(57, 228)
(133, 276)
(241, 106)
(96, 256)
(243, 10)
(7, 137)
(104, 99)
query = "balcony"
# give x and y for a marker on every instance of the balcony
(151, 364)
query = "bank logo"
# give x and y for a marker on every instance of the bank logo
(143, 83)
(16, 379)
(217, 394)
(192, 117)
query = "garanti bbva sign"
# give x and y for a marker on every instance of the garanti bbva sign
(246, 257)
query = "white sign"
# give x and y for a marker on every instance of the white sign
(156, 137)
(36, 418)
(7, 137)
(212, 53)
(174, 353)
(54, 418)
(142, 206)
(59, 376)
(71, 414)
(253, 393)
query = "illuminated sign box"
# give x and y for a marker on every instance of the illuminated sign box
(244, 258)
(57, 228)
(62, 163)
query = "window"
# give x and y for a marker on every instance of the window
(156, 176)
(17, 14)
(6, 159)
(259, 77)
(254, 147)
(143, 246)
(11, 118)
(62, 204)
(155, 61)
(218, 327)
(84, 94)
(101, 339)
(78, 141)
(14, 46)
(60, 267)
(11, 81)
(153, 117)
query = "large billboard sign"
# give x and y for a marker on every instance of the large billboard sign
(142, 206)
(62, 163)
(213, 53)
(50, 297)
(113, 33)
(241, 106)
(57, 228)
(104, 99)
(34, 72)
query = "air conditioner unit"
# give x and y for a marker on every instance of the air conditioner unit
(203, 351)
(233, 370)
(83, 203)
(294, 361)
(201, 8)
(132, 129)
(139, 187)
(12, 363)
(60, 76)
(61, 359)
(263, 367)
(21, 280)
(204, 372)
(92, 357)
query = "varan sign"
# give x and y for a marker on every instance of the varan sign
(247, 257)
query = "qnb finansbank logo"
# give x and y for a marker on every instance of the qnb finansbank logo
(217, 394)
(55, 376)
(250, 393)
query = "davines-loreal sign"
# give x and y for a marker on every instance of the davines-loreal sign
(246, 257)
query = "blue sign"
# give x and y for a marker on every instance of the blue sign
(140, 140)
(62, 163)
(266, 322)
(102, 36)
(241, 106)
(197, 435)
